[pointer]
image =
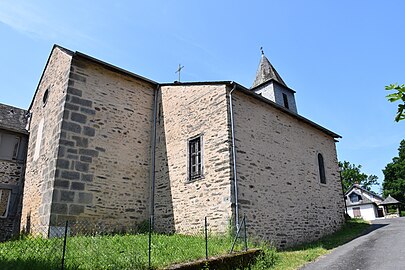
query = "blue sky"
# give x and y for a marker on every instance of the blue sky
(337, 55)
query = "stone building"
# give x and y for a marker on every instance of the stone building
(13, 145)
(112, 146)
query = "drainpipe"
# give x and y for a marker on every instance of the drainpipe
(235, 181)
(153, 176)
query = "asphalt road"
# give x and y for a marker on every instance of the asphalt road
(383, 247)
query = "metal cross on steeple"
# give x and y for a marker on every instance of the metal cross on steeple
(179, 70)
(261, 49)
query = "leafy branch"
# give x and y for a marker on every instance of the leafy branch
(400, 95)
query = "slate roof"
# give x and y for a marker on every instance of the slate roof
(92, 59)
(13, 119)
(363, 201)
(266, 72)
(364, 190)
(389, 201)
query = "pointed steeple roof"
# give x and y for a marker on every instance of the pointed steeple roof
(266, 72)
(389, 200)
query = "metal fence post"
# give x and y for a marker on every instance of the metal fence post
(64, 245)
(244, 226)
(150, 242)
(206, 238)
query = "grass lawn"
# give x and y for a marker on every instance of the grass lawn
(108, 252)
(297, 257)
(131, 251)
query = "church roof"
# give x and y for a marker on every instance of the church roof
(248, 92)
(94, 60)
(266, 72)
(389, 200)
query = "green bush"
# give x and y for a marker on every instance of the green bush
(266, 260)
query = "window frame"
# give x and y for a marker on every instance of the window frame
(200, 175)
(321, 169)
(352, 196)
(285, 101)
(16, 140)
(8, 201)
(355, 213)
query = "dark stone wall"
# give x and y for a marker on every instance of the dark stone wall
(103, 161)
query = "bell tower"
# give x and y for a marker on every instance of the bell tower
(269, 84)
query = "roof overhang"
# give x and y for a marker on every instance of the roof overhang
(249, 92)
(76, 55)
(272, 81)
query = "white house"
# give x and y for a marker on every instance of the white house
(362, 203)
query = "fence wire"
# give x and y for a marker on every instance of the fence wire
(88, 245)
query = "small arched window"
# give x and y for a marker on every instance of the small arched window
(321, 169)
(45, 97)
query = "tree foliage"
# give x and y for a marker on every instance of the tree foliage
(351, 174)
(398, 96)
(394, 175)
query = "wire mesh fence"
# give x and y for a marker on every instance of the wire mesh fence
(88, 245)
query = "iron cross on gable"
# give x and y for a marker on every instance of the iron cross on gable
(179, 70)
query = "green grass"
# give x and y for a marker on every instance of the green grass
(131, 251)
(108, 252)
(297, 257)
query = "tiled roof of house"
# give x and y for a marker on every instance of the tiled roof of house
(13, 119)
(364, 200)
(389, 200)
(364, 190)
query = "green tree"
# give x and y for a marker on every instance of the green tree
(352, 174)
(394, 175)
(398, 96)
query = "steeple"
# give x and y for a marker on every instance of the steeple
(270, 85)
(266, 72)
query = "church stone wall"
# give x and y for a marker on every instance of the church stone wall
(103, 166)
(186, 111)
(45, 129)
(279, 185)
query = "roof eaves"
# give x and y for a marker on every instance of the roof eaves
(297, 116)
(365, 190)
(360, 203)
(196, 83)
(14, 130)
(272, 80)
(46, 65)
(113, 68)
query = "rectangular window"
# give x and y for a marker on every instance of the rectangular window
(321, 169)
(354, 198)
(9, 144)
(285, 99)
(356, 212)
(4, 202)
(195, 168)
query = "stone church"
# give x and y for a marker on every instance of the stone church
(109, 145)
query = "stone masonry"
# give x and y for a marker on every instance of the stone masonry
(94, 157)
(279, 183)
(103, 163)
(45, 129)
(181, 205)
(12, 123)
(92, 139)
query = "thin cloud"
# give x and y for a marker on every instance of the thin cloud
(29, 19)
